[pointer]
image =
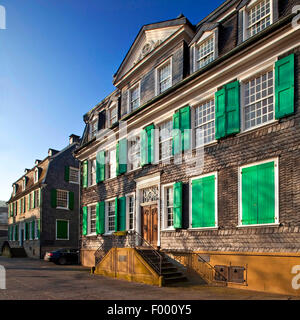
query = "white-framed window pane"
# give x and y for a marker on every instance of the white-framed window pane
(112, 163)
(111, 215)
(205, 122)
(135, 153)
(131, 212)
(134, 98)
(93, 172)
(259, 100)
(113, 115)
(92, 219)
(205, 53)
(62, 199)
(164, 77)
(36, 198)
(169, 206)
(74, 175)
(259, 17)
(93, 128)
(165, 140)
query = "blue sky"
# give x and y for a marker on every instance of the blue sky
(57, 59)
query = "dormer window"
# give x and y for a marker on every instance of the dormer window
(164, 77)
(112, 115)
(204, 53)
(257, 17)
(24, 184)
(134, 97)
(36, 175)
(93, 128)
(14, 189)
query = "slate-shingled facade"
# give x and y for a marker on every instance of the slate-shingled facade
(44, 206)
(235, 75)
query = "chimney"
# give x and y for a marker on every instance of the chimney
(52, 152)
(26, 170)
(73, 138)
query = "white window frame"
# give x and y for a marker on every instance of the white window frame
(89, 233)
(36, 175)
(164, 207)
(129, 141)
(196, 49)
(106, 216)
(90, 172)
(93, 133)
(36, 225)
(276, 181)
(24, 184)
(108, 164)
(68, 195)
(68, 230)
(246, 10)
(133, 87)
(109, 118)
(157, 126)
(215, 173)
(157, 70)
(74, 169)
(247, 78)
(14, 189)
(132, 194)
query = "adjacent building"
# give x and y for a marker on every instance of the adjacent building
(225, 91)
(43, 211)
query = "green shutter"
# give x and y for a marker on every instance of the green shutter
(102, 217)
(176, 142)
(67, 173)
(53, 198)
(185, 126)
(40, 197)
(32, 229)
(220, 116)
(116, 215)
(26, 231)
(39, 228)
(122, 214)
(100, 166)
(33, 193)
(84, 220)
(98, 218)
(284, 86)
(62, 229)
(121, 154)
(16, 233)
(203, 202)
(233, 107)
(71, 200)
(85, 174)
(147, 145)
(258, 194)
(144, 148)
(177, 202)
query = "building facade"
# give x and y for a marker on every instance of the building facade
(209, 161)
(43, 211)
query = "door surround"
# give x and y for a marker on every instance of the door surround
(142, 183)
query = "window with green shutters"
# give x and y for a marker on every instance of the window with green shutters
(258, 194)
(284, 86)
(100, 166)
(121, 154)
(227, 112)
(61, 199)
(62, 230)
(182, 132)
(148, 145)
(204, 203)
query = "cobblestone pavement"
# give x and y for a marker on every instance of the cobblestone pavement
(35, 280)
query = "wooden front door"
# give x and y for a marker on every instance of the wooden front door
(150, 224)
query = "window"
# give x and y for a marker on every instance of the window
(165, 140)
(36, 198)
(92, 169)
(24, 183)
(92, 220)
(204, 53)
(258, 100)
(73, 175)
(62, 230)
(258, 17)
(14, 189)
(134, 97)
(131, 210)
(205, 123)
(135, 153)
(93, 129)
(37, 229)
(111, 164)
(259, 193)
(62, 199)
(112, 115)
(110, 207)
(36, 175)
(168, 206)
(164, 77)
(203, 200)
